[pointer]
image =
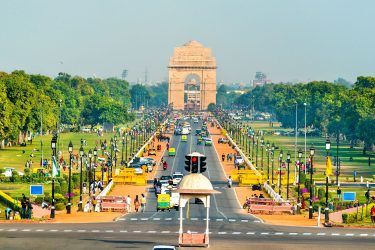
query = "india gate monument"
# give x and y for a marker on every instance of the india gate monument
(192, 77)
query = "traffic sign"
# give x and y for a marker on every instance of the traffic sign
(36, 190)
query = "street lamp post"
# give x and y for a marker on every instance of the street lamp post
(115, 153)
(111, 161)
(53, 146)
(337, 157)
(299, 179)
(256, 155)
(287, 178)
(326, 210)
(126, 148)
(268, 162)
(69, 207)
(89, 170)
(262, 147)
(312, 152)
(273, 160)
(95, 155)
(252, 155)
(280, 161)
(122, 149)
(80, 207)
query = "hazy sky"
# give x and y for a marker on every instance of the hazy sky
(287, 39)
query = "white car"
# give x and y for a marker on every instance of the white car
(238, 160)
(177, 177)
(162, 247)
(195, 120)
(175, 201)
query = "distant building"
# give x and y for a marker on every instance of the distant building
(260, 79)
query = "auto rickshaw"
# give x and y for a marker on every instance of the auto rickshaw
(164, 202)
(199, 140)
(172, 152)
(184, 138)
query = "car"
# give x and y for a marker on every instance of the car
(195, 120)
(208, 142)
(140, 162)
(238, 160)
(175, 201)
(223, 140)
(166, 180)
(177, 177)
(164, 247)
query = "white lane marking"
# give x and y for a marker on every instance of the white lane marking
(109, 231)
(209, 177)
(216, 187)
(156, 218)
(363, 235)
(151, 232)
(320, 234)
(95, 231)
(222, 232)
(231, 220)
(250, 233)
(349, 234)
(144, 218)
(165, 232)
(237, 233)
(123, 231)
(293, 233)
(26, 230)
(122, 219)
(265, 233)
(168, 218)
(133, 218)
(53, 230)
(279, 233)
(39, 230)
(206, 219)
(244, 220)
(257, 221)
(219, 219)
(1, 229)
(306, 233)
(335, 234)
(68, 230)
(137, 231)
(81, 231)
(194, 219)
(12, 230)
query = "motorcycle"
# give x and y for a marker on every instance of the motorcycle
(165, 165)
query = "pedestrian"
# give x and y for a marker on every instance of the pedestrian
(143, 203)
(228, 157)
(354, 175)
(367, 195)
(23, 207)
(223, 157)
(86, 209)
(339, 193)
(8, 212)
(136, 204)
(372, 212)
(94, 204)
(128, 203)
(84, 187)
(29, 209)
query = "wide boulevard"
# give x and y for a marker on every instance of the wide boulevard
(230, 226)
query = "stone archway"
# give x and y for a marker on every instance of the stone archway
(192, 66)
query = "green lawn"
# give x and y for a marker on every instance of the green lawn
(287, 144)
(16, 190)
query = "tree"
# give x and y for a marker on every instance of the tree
(211, 107)
(139, 94)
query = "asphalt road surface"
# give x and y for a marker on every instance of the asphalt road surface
(229, 226)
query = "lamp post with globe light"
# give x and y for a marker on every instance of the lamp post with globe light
(312, 152)
(326, 210)
(80, 207)
(53, 146)
(69, 206)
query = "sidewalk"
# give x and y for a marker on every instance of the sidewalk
(337, 216)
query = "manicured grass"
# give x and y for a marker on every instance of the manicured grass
(287, 144)
(15, 190)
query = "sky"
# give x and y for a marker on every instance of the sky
(289, 40)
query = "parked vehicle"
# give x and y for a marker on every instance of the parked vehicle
(208, 142)
(223, 140)
(163, 202)
(238, 160)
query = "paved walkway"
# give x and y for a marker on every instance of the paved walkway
(337, 216)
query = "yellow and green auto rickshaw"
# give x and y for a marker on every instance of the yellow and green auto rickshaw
(164, 202)
(199, 140)
(172, 152)
(184, 138)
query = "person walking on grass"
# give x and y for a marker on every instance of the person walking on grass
(372, 212)
(136, 204)
(143, 203)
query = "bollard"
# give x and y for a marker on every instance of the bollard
(319, 216)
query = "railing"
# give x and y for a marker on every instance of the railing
(272, 193)
(106, 189)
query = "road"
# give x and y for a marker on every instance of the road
(229, 226)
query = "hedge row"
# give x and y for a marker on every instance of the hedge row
(9, 201)
(348, 218)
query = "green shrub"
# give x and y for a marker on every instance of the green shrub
(60, 206)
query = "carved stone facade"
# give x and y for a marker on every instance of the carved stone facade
(192, 77)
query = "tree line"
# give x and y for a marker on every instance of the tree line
(330, 107)
(27, 100)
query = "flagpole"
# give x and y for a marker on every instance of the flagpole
(54, 170)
